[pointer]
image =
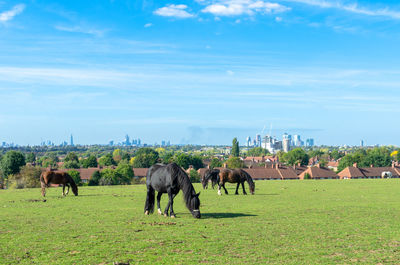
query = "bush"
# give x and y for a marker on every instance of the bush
(234, 162)
(76, 176)
(28, 177)
(71, 164)
(307, 176)
(12, 162)
(95, 178)
(194, 176)
(91, 161)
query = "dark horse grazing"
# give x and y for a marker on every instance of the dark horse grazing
(170, 179)
(210, 174)
(53, 177)
(238, 176)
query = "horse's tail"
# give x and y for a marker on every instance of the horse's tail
(74, 187)
(150, 199)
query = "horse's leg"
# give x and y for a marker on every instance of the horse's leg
(171, 198)
(158, 202)
(169, 205)
(43, 189)
(244, 190)
(63, 190)
(223, 185)
(237, 187)
(149, 205)
(219, 188)
(67, 189)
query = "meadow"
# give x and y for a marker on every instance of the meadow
(285, 222)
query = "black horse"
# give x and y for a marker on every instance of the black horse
(170, 179)
(210, 174)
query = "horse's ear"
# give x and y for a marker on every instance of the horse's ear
(197, 195)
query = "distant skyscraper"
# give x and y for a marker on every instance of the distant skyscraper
(258, 139)
(127, 142)
(71, 141)
(310, 142)
(362, 143)
(111, 143)
(297, 141)
(248, 141)
(286, 142)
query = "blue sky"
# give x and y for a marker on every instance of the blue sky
(199, 71)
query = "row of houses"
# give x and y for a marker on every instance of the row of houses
(281, 172)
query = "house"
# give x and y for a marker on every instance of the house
(354, 172)
(318, 172)
(333, 165)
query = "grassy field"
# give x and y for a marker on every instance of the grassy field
(291, 222)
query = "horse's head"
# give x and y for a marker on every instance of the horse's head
(205, 179)
(252, 187)
(195, 206)
(74, 189)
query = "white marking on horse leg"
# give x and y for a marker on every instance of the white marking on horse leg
(159, 211)
(219, 192)
(146, 212)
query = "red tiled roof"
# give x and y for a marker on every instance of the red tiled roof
(318, 173)
(140, 172)
(368, 172)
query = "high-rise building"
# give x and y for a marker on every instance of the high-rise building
(111, 143)
(310, 142)
(127, 142)
(71, 142)
(258, 139)
(248, 141)
(286, 142)
(297, 141)
(362, 143)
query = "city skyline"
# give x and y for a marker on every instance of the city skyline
(197, 72)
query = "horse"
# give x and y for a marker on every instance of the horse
(210, 174)
(53, 177)
(170, 179)
(238, 176)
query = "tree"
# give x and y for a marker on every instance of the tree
(235, 148)
(296, 156)
(91, 161)
(117, 155)
(185, 160)
(194, 176)
(71, 164)
(28, 177)
(76, 176)
(336, 155)
(125, 173)
(30, 157)
(234, 162)
(145, 158)
(95, 178)
(106, 160)
(12, 162)
(215, 162)
(71, 156)
(257, 151)
(107, 177)
(378, 157)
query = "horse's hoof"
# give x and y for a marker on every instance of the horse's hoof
(146, 212)
(159, 211)
(165, 215)
(173, 216)
(219, 193)
(44, 200)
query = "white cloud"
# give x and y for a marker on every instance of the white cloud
(173, 11)
(80, 29)
(353, 8)
(10, 14)
(240, 7)
(278, 19)
(148, 25)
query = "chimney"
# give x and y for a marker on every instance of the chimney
(355, 165)
(208, 166)
(276, 166)
(319, 165)
(393, 164)
(225, 166)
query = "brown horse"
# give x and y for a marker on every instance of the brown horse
(238, 176)
(53, 177)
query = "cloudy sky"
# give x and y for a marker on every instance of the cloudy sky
(199, 71)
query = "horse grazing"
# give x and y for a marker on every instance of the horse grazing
(210, 174)
(238, 176)
(53, 177)
(170, 179)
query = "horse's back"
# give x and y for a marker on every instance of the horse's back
(161, 176)
(231, 175)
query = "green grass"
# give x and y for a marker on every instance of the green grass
(291, 222)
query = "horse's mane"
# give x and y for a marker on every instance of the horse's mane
(247, 176)
(183, 182)
(212, 172)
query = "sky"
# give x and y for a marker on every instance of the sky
(199, 72)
